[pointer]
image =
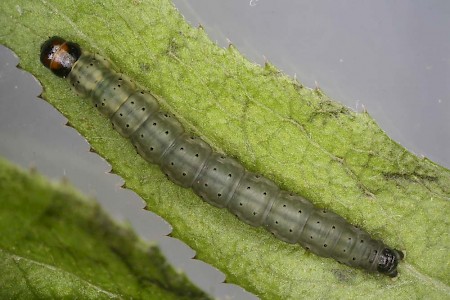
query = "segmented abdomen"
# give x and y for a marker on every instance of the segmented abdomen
(221, 181)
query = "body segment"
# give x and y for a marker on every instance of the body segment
(219, 180)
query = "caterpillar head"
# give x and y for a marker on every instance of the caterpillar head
(59, 55)
(388, 261)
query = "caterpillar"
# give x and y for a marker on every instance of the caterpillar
(219, 180)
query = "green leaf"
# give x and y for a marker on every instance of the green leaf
(296, 136)
(54, 243)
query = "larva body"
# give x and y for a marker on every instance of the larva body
(221, 181)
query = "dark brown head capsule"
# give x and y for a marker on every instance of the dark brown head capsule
(59, 55)
(388, 261)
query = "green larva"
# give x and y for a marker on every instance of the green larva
(221, 181)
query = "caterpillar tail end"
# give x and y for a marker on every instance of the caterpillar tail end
(388, 262)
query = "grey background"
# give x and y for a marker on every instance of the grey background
(390, 58)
